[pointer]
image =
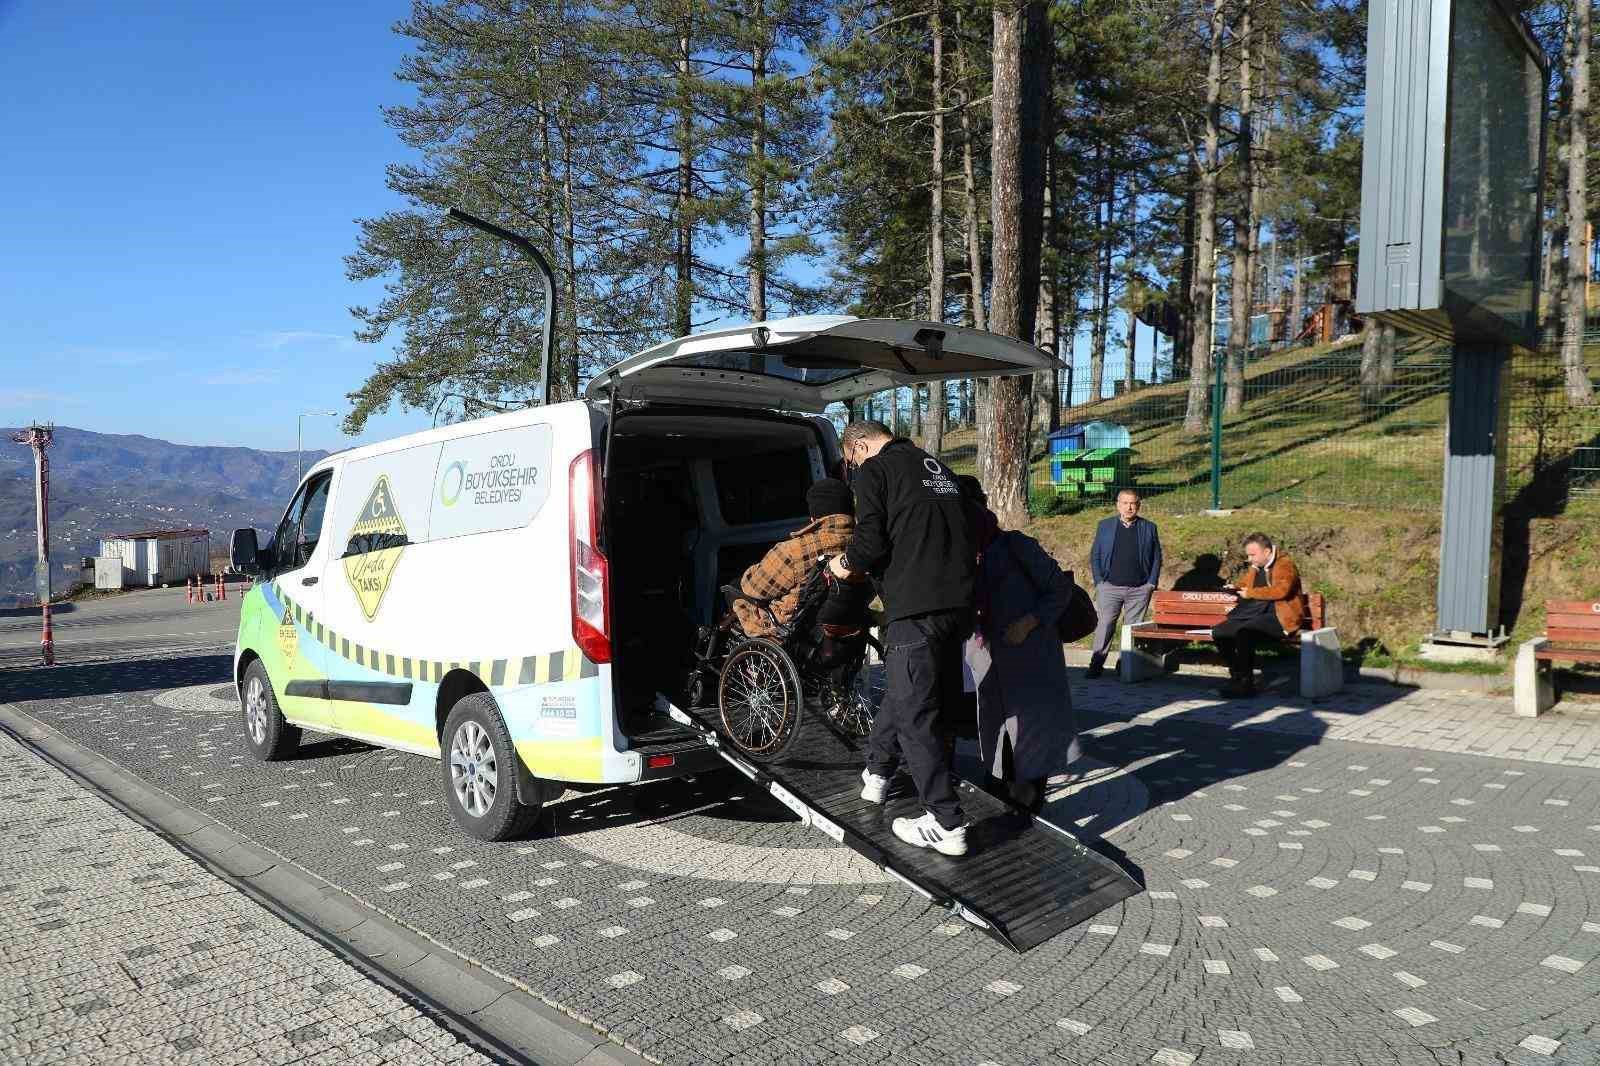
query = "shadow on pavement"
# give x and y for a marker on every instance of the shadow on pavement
(33, 612)
(93, 679)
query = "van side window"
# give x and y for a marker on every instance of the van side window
(301, 528)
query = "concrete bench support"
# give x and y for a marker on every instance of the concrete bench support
(1321, 664)
(1533, 689)
(1134, 664)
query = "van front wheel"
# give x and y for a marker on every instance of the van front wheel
(266, 734)
(480, 772)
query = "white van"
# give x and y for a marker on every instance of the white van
(516, 590)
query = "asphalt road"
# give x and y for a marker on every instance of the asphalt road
(149, 621)
(1309, 900)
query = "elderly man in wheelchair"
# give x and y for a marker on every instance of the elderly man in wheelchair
(794, 636)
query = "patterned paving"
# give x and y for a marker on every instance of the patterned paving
(115, 946)
(1310, 900)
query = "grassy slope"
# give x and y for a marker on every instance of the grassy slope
(1306, 435)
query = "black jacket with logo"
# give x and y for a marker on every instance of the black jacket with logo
(912, 532)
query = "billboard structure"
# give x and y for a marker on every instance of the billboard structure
(1451, 214)
(1451, 200)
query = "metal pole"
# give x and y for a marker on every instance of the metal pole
(1216, 434)
(39, 438)
(527, 248)
(299, 425)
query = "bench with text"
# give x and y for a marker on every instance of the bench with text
(1572, 635)
(1187, 618)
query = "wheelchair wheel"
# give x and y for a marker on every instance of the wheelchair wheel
(758, 696)
(851, 698)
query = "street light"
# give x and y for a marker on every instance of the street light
(298, 423)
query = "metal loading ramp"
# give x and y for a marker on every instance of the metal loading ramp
(1023, 880)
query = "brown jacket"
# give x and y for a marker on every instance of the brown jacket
(1283, 586)
(785, 567)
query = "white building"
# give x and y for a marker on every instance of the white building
(153, 557)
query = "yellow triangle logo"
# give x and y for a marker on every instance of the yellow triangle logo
(288, 638)
(376, 541)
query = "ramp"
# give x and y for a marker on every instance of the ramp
(1023, 879)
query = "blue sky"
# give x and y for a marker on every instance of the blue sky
(182, 181)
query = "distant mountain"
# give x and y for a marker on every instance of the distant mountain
(103, 484)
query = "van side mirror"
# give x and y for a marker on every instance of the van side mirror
(243, 552)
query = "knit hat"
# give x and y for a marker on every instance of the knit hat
(829, 496)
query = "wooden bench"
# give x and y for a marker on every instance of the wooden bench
(1571, 634)
(1187, 617)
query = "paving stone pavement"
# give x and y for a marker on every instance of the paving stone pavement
(116, 946)
(1310, 900)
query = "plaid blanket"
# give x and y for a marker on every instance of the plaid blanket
(781, 572)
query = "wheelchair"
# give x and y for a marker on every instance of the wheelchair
(815, 665)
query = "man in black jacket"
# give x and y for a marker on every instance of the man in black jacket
(913, 535)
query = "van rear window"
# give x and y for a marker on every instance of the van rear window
(767, 487)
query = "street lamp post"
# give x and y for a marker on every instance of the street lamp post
(299, 422)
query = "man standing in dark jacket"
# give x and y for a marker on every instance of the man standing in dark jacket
(1125, 562)
(913, 535)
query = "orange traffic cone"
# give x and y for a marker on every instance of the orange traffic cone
(222, 589)
(188, 590)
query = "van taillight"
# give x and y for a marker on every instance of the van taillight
(591, 578)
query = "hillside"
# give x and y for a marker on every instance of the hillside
(1306, 434)
(101, 484)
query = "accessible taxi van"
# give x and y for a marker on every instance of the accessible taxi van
(510, 594)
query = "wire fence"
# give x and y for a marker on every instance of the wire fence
(1313, 426)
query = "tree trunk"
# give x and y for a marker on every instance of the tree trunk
(1130, 286)
(1100, 323)
(1021, 63)
(758, 174)
(1386, 358)
(1198, 406)
(1183, 342)
(1574, 314)
(1046, 404)
(1371, 345)
(1243, 223)
(683, 295)
(1297, 296)
(933, 438)
(1102, 311)
(969, 187)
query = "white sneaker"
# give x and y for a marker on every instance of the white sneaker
(925, 832)
(873, 786)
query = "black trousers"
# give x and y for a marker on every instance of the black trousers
(1238, 636)
(922, 690)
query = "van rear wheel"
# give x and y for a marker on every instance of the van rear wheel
(268, 736)
(479, 765)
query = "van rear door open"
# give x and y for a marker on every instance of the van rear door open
(807, 363)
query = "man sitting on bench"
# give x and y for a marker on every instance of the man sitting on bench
(1269, 608)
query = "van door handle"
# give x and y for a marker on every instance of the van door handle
(308, 581)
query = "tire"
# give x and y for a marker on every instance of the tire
(268, 736)
(759, 699)
(479, 767)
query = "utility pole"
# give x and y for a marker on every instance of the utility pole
(38, 438)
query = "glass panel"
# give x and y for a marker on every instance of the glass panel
(762, 488)
(1492, 166)
(311, 522)
(766, 363)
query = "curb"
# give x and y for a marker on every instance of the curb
(497, 1014)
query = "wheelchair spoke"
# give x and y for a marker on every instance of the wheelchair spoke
(755, 698)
